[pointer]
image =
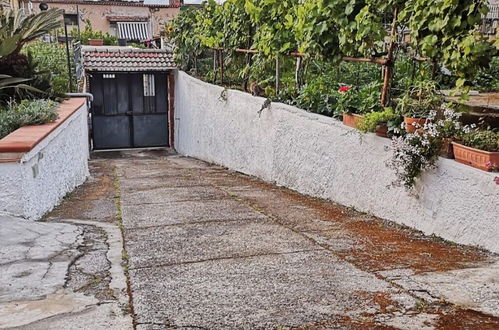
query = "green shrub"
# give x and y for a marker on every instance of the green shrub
(488, 78)
(359, 100)
(420, 100)
(318, 96)
(370, 121)
(49, 66)
(26, 112)
(89, 33)
(482, 139)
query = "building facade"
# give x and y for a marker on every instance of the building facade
(141, 20)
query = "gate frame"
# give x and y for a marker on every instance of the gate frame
(170, 111)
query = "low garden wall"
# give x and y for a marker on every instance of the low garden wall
(321, 157)
(40, 164)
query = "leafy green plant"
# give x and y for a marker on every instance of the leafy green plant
(326, 31)
(358, 100)
(187, 43)
(49, 68)
(319, 96)
(487, 79)
(8, 82)
(448, 31)
(331, 29)
(273, 21)
(420, 99)
(17, 29)
(89, 33)
(369, 122)
(486, 140)
(26, 112)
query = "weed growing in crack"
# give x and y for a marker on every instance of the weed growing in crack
(420, 305)
(124, 254)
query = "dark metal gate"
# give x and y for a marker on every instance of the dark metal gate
(130, 110)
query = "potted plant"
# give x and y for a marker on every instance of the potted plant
(377, 122)
(479, 149)
(346, 105)
(353, 102)
(445, 124)
(96, 42)
(413, 153)
(417, 103)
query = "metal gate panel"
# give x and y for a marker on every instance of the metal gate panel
(129, 110)
(150, 130)
(111, 132)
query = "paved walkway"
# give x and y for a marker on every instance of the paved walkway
(208, 248)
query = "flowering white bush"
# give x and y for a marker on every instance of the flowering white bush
(414, 153)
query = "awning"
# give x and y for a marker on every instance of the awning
(134, 30)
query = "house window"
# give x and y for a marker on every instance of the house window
(113, 29)
(71, 19)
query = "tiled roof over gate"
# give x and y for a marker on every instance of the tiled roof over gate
(115, 58)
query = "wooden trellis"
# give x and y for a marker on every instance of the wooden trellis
(387, 63)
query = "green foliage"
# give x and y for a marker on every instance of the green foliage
(187, 43)
(487, 78)
(369, 122)
(17, 83)
(210, 27)
(335, 28)
(486, 140)
(26, 112)
(49, 68)
(327, 30)
(359, 100)
(17, 29)
(447, 30)
(319, 95)
(419, 100)
(89, 33)
(274, 20)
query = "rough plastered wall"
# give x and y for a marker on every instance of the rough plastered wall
(56, 166)
(321, 157)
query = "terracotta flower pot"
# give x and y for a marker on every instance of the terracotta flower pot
(351, 119)
(412, 124)
(382, 130)
(95, 42)
(447, 150)
(480, 159)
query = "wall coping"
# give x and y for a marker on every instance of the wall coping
(24, 139)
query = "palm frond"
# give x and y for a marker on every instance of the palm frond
(16, 30)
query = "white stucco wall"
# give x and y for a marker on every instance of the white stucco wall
(58, 164)
(321, 157)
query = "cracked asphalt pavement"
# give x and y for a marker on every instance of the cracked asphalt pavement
(159, 241)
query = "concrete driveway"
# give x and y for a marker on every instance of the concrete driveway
(208, 248)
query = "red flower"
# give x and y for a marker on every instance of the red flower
(496, 180)
(344, 89)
